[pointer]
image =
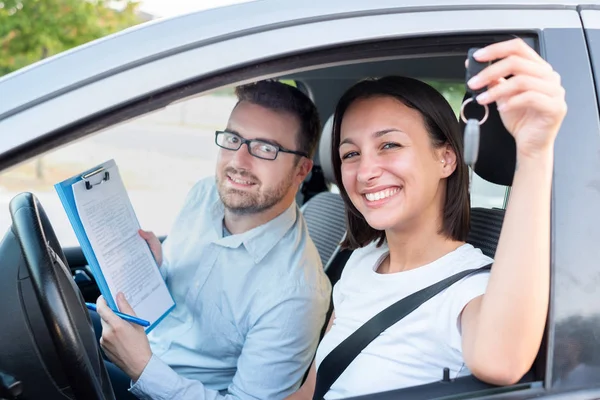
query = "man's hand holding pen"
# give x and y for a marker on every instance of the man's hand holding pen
(124, 343)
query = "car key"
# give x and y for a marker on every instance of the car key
(471, 146)
(473, 68)
(472, 132)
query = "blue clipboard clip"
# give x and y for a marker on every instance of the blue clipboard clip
(88, 184)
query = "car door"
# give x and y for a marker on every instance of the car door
(575, 314)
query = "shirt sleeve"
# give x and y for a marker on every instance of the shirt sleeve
(281, 344)
(460, 295)
(277, 352)
(339, 292)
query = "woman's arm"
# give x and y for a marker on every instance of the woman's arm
(307, 389)
(502, 330)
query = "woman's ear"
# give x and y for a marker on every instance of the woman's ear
(448, 160)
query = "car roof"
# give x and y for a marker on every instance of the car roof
(163, 37)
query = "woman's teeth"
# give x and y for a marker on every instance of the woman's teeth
(383, 194)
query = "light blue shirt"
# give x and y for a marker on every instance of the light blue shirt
(249, 307)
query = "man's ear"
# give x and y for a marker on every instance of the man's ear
(304, 167)
(448, 160)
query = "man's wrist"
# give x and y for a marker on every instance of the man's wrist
(136, 371)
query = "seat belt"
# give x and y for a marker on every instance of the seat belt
(336, 362)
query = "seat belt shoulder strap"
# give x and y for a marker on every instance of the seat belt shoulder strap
(336, 362)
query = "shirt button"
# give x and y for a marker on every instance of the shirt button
(197, 285)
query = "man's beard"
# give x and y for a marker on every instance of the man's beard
(243, 202)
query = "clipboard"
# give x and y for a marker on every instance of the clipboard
(93, 177)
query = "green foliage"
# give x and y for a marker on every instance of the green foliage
(452, 91)
(31, 30)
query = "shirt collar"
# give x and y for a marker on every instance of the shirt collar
(257, 241)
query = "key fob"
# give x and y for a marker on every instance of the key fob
(473, 69)
(471, 142)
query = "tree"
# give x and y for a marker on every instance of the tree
(31, 30)
(452, 91)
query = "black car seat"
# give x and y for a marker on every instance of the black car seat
(324, 212)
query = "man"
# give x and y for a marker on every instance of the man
(250, 292)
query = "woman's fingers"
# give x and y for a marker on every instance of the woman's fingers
(534, 100)
(518, 84)
(511, 66)
(528, 72)
(527, 91)
(506, 48)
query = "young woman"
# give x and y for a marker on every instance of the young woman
(397, 157)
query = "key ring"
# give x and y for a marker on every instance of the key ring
(462, 111)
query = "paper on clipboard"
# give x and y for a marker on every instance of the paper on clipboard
(124, 258)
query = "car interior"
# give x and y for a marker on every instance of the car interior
(49, 347)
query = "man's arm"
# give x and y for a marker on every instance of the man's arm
(307, 391)
(280, 346)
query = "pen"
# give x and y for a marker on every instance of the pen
(129, 318)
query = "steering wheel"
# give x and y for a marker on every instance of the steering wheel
(61, 303)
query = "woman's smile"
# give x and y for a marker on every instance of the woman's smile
(380, 196)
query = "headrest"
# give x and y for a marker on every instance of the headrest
(497, 150)
(325, 150)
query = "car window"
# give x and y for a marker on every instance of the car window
(160, 156)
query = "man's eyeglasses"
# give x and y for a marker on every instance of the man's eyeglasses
(258, 148)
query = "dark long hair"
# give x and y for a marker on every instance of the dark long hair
(443, 128)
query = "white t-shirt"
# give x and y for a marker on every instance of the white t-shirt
(416, 349)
